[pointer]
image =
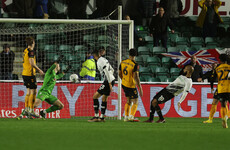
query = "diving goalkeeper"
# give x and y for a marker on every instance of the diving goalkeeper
(44, 94)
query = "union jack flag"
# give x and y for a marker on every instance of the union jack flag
(204, 58)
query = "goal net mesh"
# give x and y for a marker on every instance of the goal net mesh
(73, 41)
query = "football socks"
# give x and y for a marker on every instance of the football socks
(223, 112)
(96, 105)
(103, 108)
(152, 111)
(158, 110)
(127, 109)
(31, 97)
(133, 109)
(26, 101)
(212, 111)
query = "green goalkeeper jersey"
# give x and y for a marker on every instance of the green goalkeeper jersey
(50, 79)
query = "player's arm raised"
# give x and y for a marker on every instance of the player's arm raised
(212, 80)
(187, 88)
(31, 60)
(137, 80)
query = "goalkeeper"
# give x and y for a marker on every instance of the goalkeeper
(44, 94)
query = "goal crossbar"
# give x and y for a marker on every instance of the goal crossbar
(64, 21)
(86, 21)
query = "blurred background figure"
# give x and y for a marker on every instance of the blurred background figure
(208, 74)
(105, 7)
(24, 8)
(77, 9)
(209, 17)
(159, 28)
(149, 11)
(136, 36)
(57, 9)
(41, 9)
(172, 8)
(136, 10)
(88, 70)
(197, 74)
(102, 51)
(6, 62)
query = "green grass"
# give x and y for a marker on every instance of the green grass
(77, 134)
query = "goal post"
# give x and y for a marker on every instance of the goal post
(73, 39)
(119, 60)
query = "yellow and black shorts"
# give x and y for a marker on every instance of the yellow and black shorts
(216, 95)
(130, 92)
(224, 97)
(30, 82)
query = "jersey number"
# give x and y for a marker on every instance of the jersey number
(125, 71)
(102, 87)
(222, 73)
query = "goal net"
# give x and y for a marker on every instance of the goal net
(73, 39)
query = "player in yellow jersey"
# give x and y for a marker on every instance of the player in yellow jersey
(215, 98)
(222, 73)
(128, 72)
(28, 75)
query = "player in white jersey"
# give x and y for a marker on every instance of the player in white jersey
(183, 83)
(106, 71)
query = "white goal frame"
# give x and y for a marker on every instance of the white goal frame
(85, 21)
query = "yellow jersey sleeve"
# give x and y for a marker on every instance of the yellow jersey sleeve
(222, 72)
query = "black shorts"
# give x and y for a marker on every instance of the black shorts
(163, 96)
(216, 95)
(104, 89)
(224, 97)
(30, 82)
(130, 92)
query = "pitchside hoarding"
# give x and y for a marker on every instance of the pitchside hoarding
(78, 101)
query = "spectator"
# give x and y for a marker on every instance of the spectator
(57, 9)
(172, 8)
(197, 75)
(140, 41)
(209, 17)
(127, 17)
(24, 8)
(6, 62)
(208, 74)
(102, 51)
(88, 70)
(77, 9)
(41, 9)
(158, 28)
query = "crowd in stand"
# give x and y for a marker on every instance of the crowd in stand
(136, 9)
(143, 12)
(58, 9)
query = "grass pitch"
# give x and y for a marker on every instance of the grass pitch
(78, 134)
